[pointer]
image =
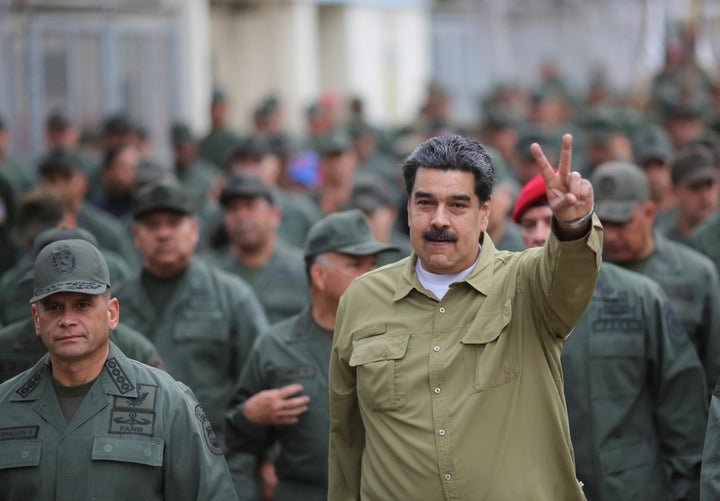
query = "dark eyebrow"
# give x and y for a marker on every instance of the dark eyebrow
(464, 198)
(423, 194)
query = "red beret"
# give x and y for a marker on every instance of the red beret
(533, 192)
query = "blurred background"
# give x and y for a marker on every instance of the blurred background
(161, 61)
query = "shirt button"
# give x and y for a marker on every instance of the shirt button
(442, 433)
(448, 477)
(436, 348)
(442, 309)
(437, 390)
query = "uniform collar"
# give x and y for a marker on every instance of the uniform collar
(480, 279)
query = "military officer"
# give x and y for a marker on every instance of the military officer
(283, 391)
(634, 384)
(202, 320)
(86, 422)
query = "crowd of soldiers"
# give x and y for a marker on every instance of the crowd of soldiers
(229, 264)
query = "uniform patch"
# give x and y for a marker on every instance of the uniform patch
(135, 415)
(63, 261)
(18, 433)
(26, 389)
(290, 373)
(118, 375)
(617, 314)
(208, 431)
(674, 324)
(132, 422)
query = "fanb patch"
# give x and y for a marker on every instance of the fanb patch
(135, 415)
(19, 432)
(208, 431)
(63, 261)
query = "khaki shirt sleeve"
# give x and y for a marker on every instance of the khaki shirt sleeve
(347, 432)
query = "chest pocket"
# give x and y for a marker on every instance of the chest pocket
(118, 458)
(306, 375)
(19, 453)
(377, 358)
(490, 357)
(203, 326)
(617, 365)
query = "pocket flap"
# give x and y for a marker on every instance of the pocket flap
(617, 346)
(19, 453)
(128, 449)
(487, 326)
(378, 349)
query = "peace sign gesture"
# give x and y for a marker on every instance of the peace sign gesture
(569, 195)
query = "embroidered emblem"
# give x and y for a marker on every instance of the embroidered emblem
(144, 401)
(135, 415)
(208, 431)
(674, 324)
(63, 261)
(290, 373)
(118, 376)
(19, 432)
(26, 389)
(617, 314)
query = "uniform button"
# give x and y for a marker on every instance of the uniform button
(448, 476)
(148, 453)
(436, 348)
(437, 390)
(107, 448)
(442, 309)
(24, 454)
(442, 433)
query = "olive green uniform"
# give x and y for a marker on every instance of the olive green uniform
(710, 474)
(197, 179)
(296, 350)
(691, 282)
(137, 434)
(299, 213)
(203, 335)
(280, 286)
(216, 146)
(706, 239)
(635, 394)
(21, 347)
(110, 233)
(459, 398)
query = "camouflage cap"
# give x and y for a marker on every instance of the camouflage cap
(619, 187)
(69, 266)
(162, 195)
(694, 166)
(245, 186)
(346, 232)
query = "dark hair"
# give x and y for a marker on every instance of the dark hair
(452, 152)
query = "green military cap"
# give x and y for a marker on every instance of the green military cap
(371, 194)
(163, 195)
(337, 141)
(218, 95)
(44, 238)
(245, 186)
(694, 166)
(267, 107)
(57, 121)
(532, 135)
(619, 187)
(501, 117)
(117, 125)
(254, 147)
(180, 133)
(652, 143)
(600, 125)
(69, 266)
(60, 160)
(151, 171)
(346, 232)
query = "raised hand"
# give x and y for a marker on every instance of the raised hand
(275, 407)
(569, 195)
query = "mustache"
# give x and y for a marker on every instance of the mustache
(439, 235)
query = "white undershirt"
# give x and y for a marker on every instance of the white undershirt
(440, 284)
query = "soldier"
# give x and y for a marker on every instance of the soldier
(218, 143)
(196, 175)
(283, 391)
(202, 320)
(274, 269)
(86, 422)
(653, 153)
(624, 207)
(20, 177)
(635, 386)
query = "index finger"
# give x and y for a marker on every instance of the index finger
(545, 168)
(290, 389)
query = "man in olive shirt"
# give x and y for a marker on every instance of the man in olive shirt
(635, 387)
(688, 278)
(86, 422)
(283, 391)
(202, 320)
(445, 378)
(274, 269)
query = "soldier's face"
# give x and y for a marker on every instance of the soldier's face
(339, 270)
(446, 220)
(535, 225)
(75, 327)
(631, 241)
(699, 201)
(250, 222)
(167, 241)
